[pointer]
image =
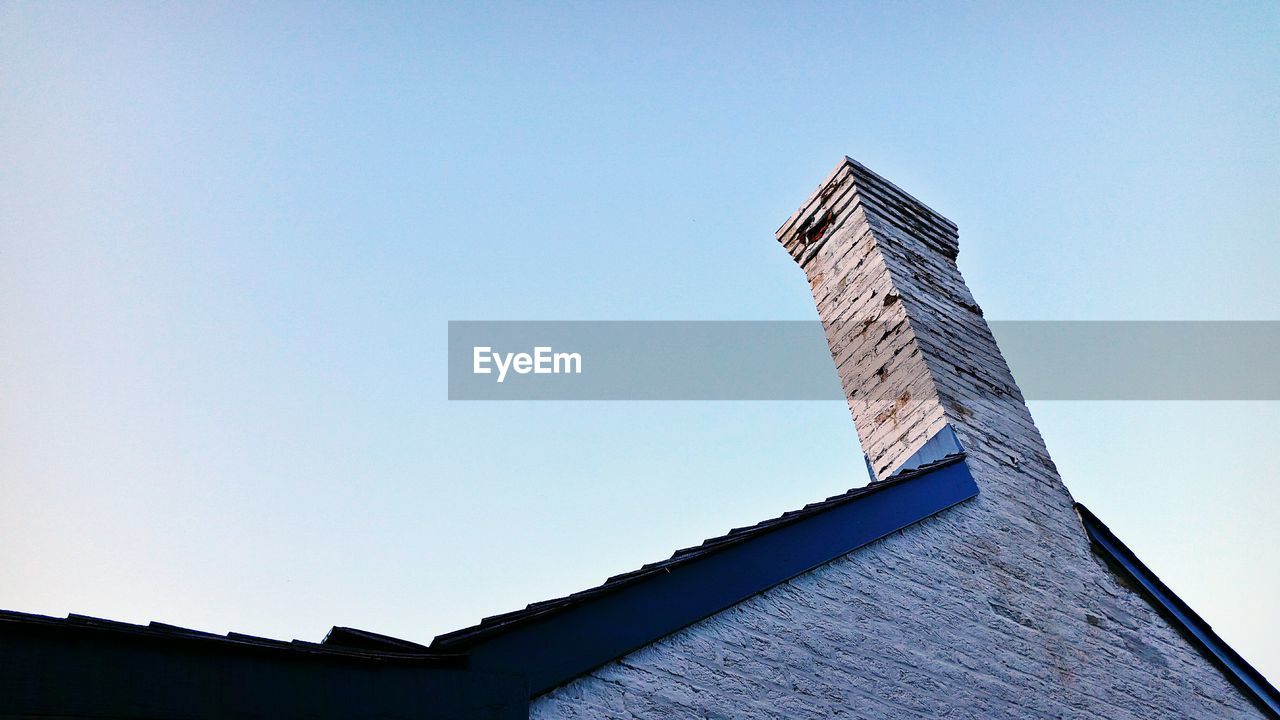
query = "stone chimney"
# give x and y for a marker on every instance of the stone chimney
(914, 354)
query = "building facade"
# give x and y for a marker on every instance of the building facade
(963, 583)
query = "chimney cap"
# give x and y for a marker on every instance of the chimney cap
(851, 184)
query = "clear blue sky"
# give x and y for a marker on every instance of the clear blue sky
(231, 237)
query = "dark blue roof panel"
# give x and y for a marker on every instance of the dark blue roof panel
(555, 641)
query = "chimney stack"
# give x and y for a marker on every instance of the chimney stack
(915, 357)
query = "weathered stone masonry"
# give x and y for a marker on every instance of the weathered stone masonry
(996, 608)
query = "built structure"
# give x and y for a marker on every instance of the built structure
(963, 583)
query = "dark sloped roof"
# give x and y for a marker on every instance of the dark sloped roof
(736, 536)
(82, 667)
(552, 642)
(344, 643)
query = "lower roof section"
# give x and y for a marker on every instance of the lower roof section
(82, 667)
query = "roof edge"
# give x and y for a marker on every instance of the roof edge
(157, 632)
(575, 635)
(1187, 621)
(498, 623)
